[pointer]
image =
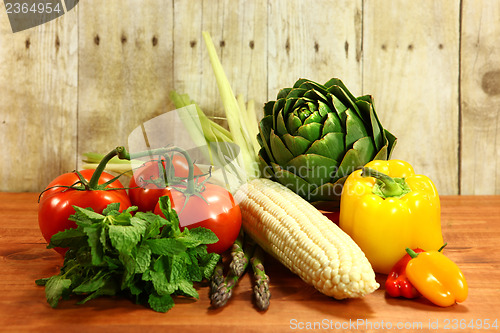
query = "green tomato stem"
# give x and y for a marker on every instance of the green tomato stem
(94, 180)
(122, 153)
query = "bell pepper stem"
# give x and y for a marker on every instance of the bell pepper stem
(412, 253)
(388, 186)
(442, 247)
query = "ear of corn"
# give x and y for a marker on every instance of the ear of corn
(304, 240)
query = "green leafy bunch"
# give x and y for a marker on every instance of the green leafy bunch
(143, 256)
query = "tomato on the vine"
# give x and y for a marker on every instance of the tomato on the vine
(57, 201)
(146, 185)
(216, 211)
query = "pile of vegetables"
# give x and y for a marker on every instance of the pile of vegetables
(179, 223)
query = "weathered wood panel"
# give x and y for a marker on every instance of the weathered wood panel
(83, 81)
(314, 40)
(239, 32)
(480, 97)
(125, 70)
(410, 66)
(38, 99)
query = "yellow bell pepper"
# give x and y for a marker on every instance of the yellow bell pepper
(436, 277)
(386, 208)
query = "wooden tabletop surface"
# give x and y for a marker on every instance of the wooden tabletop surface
(471, 226)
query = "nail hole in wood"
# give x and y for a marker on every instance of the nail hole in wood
(251, 44)
(222, 43)
(384, 47)
(410, 47)
(58, 42)
(97, 39)
(27, 43)
(192, 43)
(346, 48)
(441, 46)
(154, 41)
(287, 45)
(316, 47)
(123, 39)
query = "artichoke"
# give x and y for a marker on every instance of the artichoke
(313, 136)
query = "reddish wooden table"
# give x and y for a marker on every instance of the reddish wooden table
(471, 226)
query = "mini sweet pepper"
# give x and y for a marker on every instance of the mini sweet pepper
(386, 207)
(397, 283)
(436, 277)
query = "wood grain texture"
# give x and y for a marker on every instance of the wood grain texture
(38, 102)
(238, 30)
(316, 42)
(410, 66)
(125, 70)
(471, 226)
(84, 81)
(480, 98)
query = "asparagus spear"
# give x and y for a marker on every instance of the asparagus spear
(222, 289)
(241, 253)
(261, 287)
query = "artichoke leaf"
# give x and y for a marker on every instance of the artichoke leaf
(296, 144)
(366, 149)
(278, 105)
(265, 128)
(315, 169)
(340, 84)
(368, 114)
(332, 124)
(315, 95)
(292, 181)
(293, 124)
(323, 109)
(351, 162)
(268, 108)
(279, 151)
(331, 145)
(311, 85)
(311, 132)
(382, 154)
(289, 106)
(299, 82)
(314, 117)
(327, 196)
(298, 102)
(392, 140)
(280, 125)
(355, 129)
(296, 93)
(283, 93)
(339, 107)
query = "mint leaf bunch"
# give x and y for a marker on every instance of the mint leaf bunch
(143, 256)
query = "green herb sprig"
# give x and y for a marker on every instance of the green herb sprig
(143, 256)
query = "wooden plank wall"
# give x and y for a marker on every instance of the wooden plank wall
(84, 81)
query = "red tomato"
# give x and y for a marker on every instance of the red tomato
(218, 212)
(149, 188)
(56, 204)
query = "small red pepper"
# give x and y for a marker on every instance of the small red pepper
(397, 283)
